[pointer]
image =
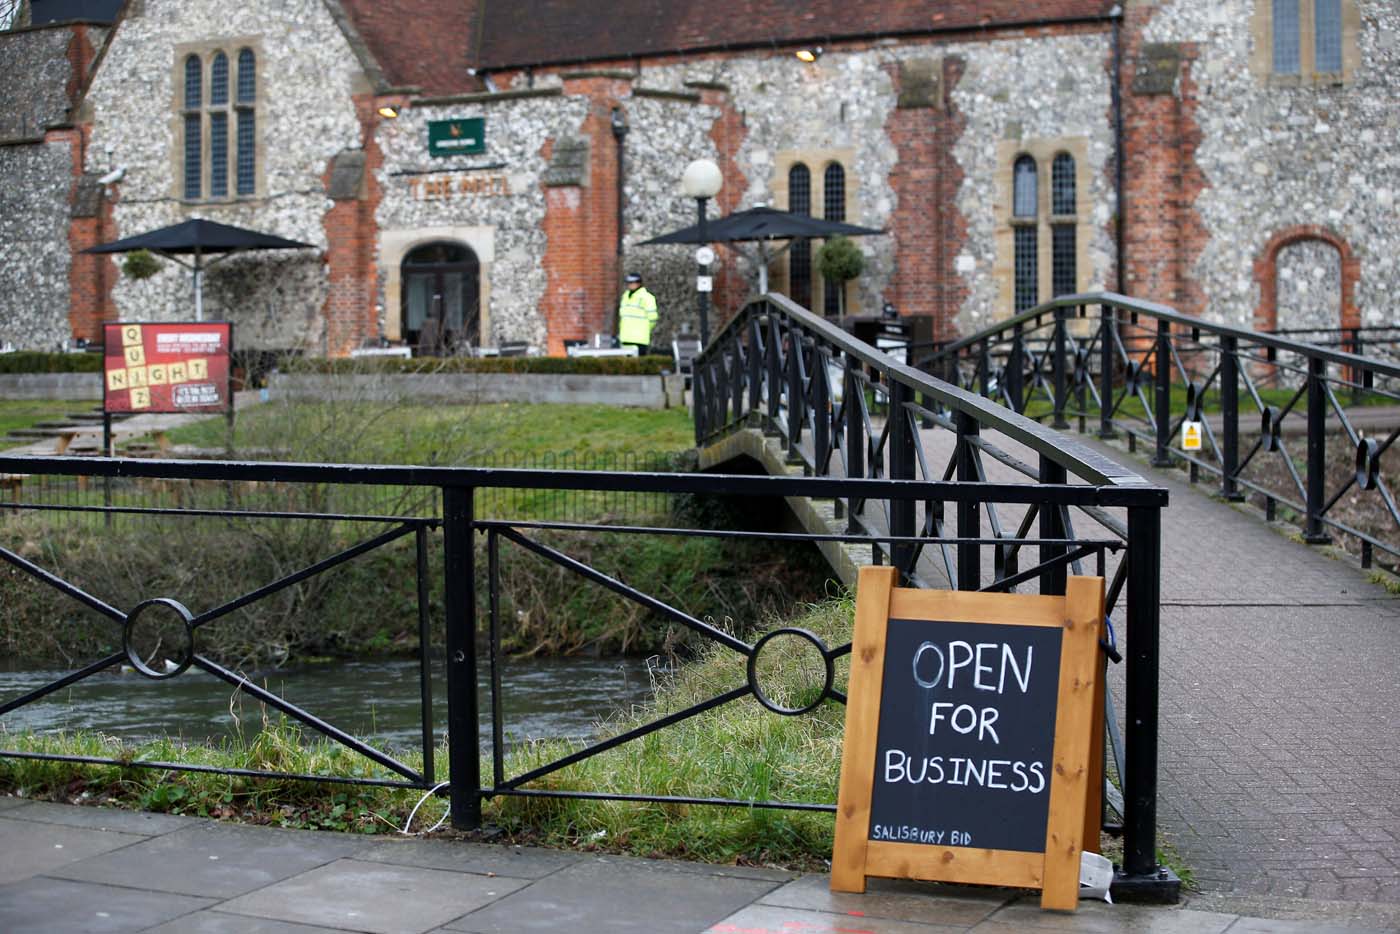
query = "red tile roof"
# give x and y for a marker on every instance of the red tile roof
(432, 43)
(527, 32)
(429, 44)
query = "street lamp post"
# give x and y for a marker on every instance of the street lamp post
(702, 181)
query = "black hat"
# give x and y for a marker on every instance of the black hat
(633, 277)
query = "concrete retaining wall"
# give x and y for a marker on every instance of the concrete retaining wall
(50, 385)
(648, 392)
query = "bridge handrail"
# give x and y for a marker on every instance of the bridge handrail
(1080, 460)
(1174, 317)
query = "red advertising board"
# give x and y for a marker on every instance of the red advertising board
(167, 367)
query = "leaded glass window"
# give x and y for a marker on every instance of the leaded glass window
(247, 153)
(194, 83)
(1062, 185)
(800, 253)
(193, 164)
(1286, 37)
(833, 209)
(218, 81)
(1027, 267)
(218, 155)
(247, 77)
(1063, 273)
(1327, 36)
(1023, 188)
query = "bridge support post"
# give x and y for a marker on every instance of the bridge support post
(901, 468)
(1108, 329)
(969, 513)
(755, 367)
(1141, 878)
(463, 714)
(796, 399)
(854, 396)
(775, 372)
(1061, 383)
(1230, 413)
(1313, 532)
(1053, 580)
(1014, 370)
(1162, 404)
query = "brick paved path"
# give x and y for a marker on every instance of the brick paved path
(1280, 701)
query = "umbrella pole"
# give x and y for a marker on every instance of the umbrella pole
(198, 289)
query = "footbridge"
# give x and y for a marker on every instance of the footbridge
(1253, 714)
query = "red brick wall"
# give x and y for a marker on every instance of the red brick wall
(728, 133)
(90, 278)
(1163, 233)
(926, 229)
(582, 279)
(351, 239)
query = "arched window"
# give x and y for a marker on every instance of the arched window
(833, 209)
(1024, 210)
(194, 135)
(800, 253)
(247, 122)
(220, 130)
(1063, 248)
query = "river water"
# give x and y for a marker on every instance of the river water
(378, 700)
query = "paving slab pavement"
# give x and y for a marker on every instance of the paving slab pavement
(159, 874)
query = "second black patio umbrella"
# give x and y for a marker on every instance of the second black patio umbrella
(197, 238)
(760, 225)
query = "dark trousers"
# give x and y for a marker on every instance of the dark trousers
(641, 348)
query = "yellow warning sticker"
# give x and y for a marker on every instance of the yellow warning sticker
(1190, 436)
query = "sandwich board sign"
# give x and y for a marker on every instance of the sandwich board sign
(973, 748)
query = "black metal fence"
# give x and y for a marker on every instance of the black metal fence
(842, 409)
(1301, 428)
(470, 595)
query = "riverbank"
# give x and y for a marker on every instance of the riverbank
(737, 751)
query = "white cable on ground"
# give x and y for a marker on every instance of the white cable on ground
(413, 813)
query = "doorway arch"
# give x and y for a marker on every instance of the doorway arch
(439, 305)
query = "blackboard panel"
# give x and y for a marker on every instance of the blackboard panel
(966, 730)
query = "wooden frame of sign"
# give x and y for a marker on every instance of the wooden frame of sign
(956, 742)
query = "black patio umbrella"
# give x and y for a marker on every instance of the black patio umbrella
(762, 224)
(196, 238)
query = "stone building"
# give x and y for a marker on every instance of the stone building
(477, 173)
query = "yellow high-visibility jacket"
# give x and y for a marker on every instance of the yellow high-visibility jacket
(636, 316)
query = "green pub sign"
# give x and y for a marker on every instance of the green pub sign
(461, 137)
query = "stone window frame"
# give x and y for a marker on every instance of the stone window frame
(1261, 27)
(816, 160)
(1043, 153)
(206, 51)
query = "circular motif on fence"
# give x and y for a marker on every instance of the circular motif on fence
(1269, 428)
(158, 638)
(790, 671)
(1368, 463)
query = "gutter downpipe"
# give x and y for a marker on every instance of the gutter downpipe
(1119, 240)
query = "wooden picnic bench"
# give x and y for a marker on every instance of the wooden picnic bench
(66, 437)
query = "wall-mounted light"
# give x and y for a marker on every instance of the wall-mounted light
(809, 55)
(388, 112)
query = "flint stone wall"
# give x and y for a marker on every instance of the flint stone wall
(1282, 157)
(34, 258)
(305, 115)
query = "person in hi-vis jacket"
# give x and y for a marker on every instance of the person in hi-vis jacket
(636, 315)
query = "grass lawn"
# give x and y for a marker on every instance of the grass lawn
(23, 413)
(364, 432)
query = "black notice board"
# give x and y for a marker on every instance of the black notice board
(964, 749)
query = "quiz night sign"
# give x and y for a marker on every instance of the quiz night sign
(167, 367)
(969, 753)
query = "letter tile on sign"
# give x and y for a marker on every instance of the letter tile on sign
(199, 368)
(140, 398)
